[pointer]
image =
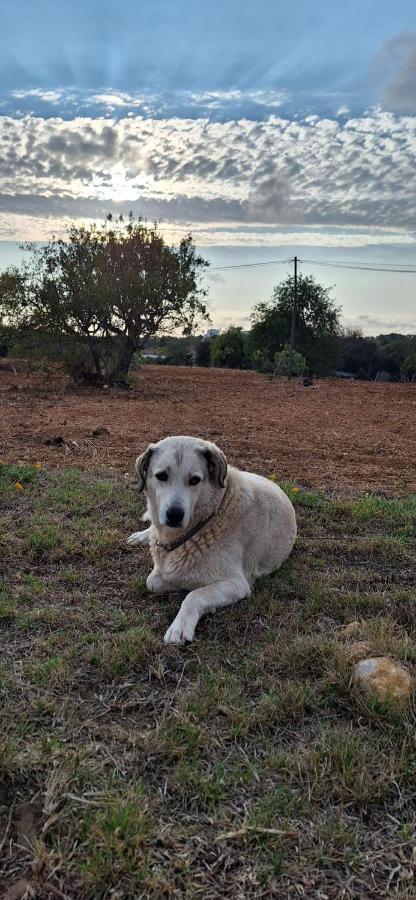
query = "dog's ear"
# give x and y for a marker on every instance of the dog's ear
(217, 465)
(141, 466)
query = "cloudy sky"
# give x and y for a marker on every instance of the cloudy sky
(265, 128)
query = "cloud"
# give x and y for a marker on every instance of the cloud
(397, 63)
(39, 94)
(343, 111)
(221, 99)
(373, 325)
(271, 201)
(313, 238)
(349, 181)
(114, 100)
(218, 105)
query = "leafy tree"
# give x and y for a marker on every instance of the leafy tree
(228, 350)
(177, 351)
(6, 339)
(110, 288)
(203, 352)
(317, 324)
(392, 350)
(359, 354)
(268, 334)
(281, 362)
(261, 361)
(409, 366)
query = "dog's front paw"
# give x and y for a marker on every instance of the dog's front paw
(138, 537)
(180, 631)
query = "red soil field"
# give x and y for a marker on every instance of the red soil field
(335, 435)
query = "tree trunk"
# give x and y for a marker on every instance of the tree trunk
(119, 375)
(96, 360)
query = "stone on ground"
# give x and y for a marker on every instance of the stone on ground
(385, 679)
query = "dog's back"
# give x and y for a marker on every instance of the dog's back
(268, 530)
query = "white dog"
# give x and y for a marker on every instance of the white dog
(213, 528)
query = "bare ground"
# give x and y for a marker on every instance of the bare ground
(334, 435)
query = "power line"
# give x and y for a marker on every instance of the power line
(355, 262)
(361, 267)
(270, 262)
(397, 268)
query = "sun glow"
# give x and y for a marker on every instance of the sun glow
(118, 186)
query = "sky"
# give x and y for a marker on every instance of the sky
(267, 129)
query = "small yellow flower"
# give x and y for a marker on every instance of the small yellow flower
(273, 478)
(38, 465)
(18, 485)
(295, 490)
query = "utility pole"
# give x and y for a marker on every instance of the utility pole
(294, 308)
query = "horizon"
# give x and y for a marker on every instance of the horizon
(266, 132)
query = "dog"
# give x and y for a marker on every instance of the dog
(214, 529)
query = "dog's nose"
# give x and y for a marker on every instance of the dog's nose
(174, 516)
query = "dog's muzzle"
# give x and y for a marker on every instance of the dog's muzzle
(174, 516)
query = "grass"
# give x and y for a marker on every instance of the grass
(247, 764)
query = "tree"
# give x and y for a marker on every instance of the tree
(281, 362)
(6, 339)
(359, 354)
(109, 288)
(409, 366)
(392, 350)
(228, 350)
(261, 361)
(203, 352)
(177, 351)
(267, 336)
(317, 324)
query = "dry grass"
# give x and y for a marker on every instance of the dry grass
(244, 765)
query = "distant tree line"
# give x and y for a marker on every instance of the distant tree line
(322, 346)
(348, 353)
(109, 297)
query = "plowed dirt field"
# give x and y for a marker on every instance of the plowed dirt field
(334, 435)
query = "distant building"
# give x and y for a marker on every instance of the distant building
(211, 333)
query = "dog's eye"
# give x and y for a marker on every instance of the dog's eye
(161, 476)
(195, 479)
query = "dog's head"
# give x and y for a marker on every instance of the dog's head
(184, 479)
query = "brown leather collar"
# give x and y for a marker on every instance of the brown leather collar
(185, 537)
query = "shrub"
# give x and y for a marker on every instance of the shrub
(281, 361)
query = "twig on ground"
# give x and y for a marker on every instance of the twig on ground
(7, 829)
(256, 829)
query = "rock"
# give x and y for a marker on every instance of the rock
(385, 678)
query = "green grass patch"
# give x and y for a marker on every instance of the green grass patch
(247, 764)
(124, 652)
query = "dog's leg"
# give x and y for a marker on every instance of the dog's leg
(156, 583)
(139, 537)
(204, 600)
